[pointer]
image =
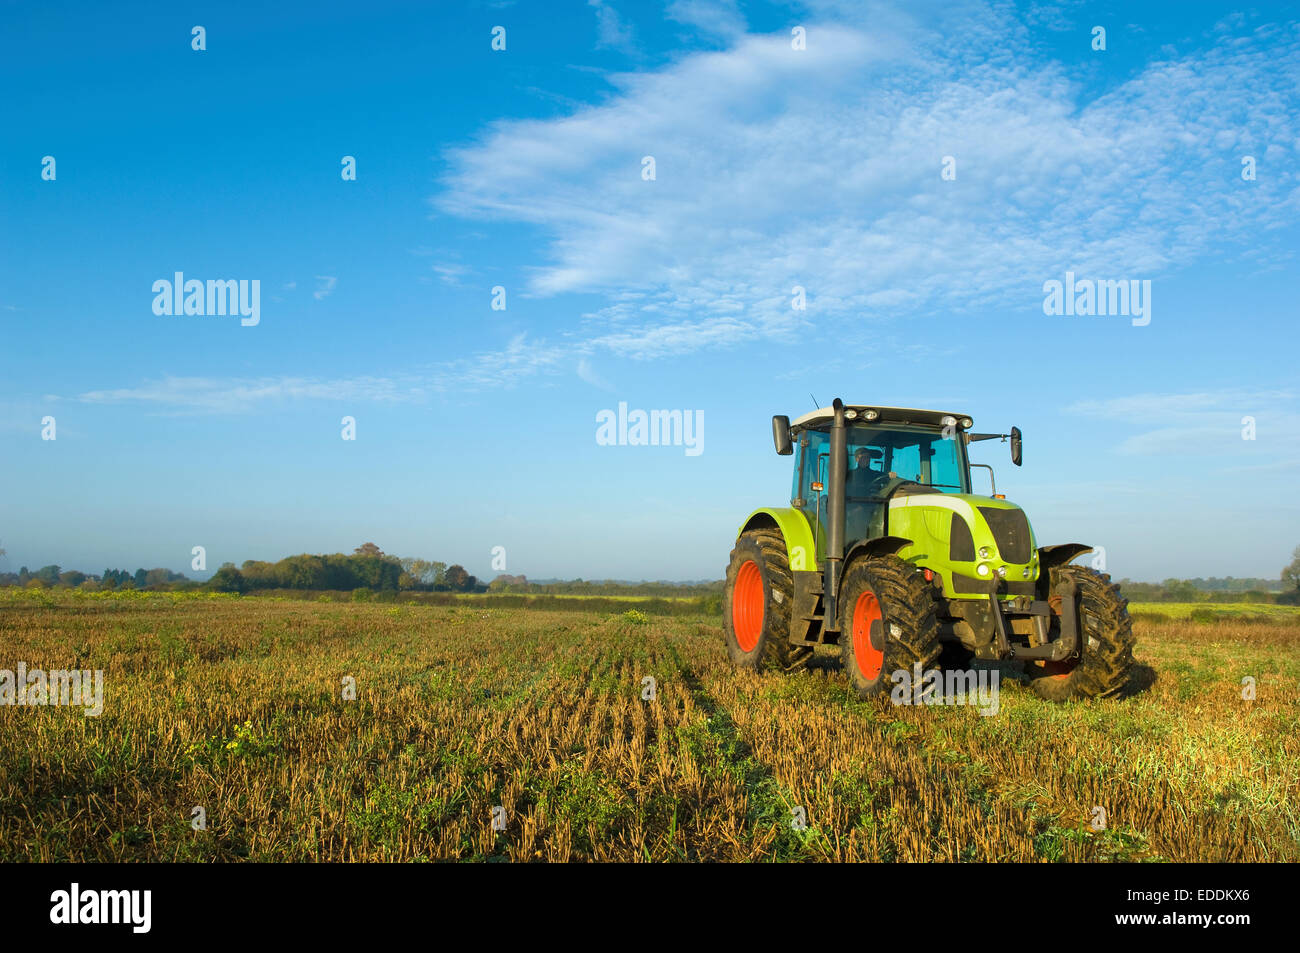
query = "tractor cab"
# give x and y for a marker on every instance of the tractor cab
(890, 452)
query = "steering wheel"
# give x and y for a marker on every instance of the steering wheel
(880, 486)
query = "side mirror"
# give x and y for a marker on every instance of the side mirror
(781, 435)
(1017, 443)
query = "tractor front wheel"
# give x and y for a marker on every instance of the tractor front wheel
(756, 603)
(887, 623)
(1107, 632)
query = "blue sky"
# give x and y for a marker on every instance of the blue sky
(775, 167)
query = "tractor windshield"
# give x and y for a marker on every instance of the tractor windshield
(922, 455)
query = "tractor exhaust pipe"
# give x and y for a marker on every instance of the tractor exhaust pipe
(838, 467)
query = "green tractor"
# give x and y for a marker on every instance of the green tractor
(885, 550)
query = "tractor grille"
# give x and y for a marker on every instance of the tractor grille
(1010, 532)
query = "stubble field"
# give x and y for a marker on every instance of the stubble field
(522, 734)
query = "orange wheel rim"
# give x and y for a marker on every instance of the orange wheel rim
(747, 606)
(870, 660)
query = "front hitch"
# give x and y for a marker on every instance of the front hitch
(1058, 651)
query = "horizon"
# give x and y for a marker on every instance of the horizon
(505, 271)
(206, 575)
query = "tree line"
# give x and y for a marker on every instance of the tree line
(369, 567)
(48, 577)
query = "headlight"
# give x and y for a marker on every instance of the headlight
(984, 552)
(850, 415)
(870, 415)
(1026, 572)
(982, 569)
(966, 422)
(1002, 572)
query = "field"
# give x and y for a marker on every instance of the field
(536, 717)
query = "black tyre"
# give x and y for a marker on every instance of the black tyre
(887, 613)
(756, 603)
(1108, 642)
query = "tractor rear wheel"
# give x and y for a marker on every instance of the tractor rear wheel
(887, 623)
(1108, 648)
(756, 603)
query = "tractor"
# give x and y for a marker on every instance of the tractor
(887, 552)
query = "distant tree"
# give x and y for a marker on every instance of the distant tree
(228, 579)
(158, 577)
(367, 549)
(459, 580)
(72, 578)
(1291, 580)
(115, 578)
(1181, 590)
(1291, 572)
(421, 573)
(48, 575)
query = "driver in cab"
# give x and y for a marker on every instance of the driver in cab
(862, 477)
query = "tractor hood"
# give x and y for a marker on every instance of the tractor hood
(973, 542)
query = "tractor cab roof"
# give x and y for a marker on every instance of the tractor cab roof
(878, 416)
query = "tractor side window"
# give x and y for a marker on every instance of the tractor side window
(811, 457)
(811, 464)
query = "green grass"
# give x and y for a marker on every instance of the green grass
(1210, 611)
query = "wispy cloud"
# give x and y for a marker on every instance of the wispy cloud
(821, 168)
(610, 29)
(588, 373)
(1195, 423)
(518, 360)
(503, 368)
(720, 18)
(449, 272)
(238, 395)
(326, 286)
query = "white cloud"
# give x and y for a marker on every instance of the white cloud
(520, 359)
(326, 286)
(238, 395)
(449, 272)
(719, 18)
(1197, 423)
(610, 29)
(821, 168)
(587, 373)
